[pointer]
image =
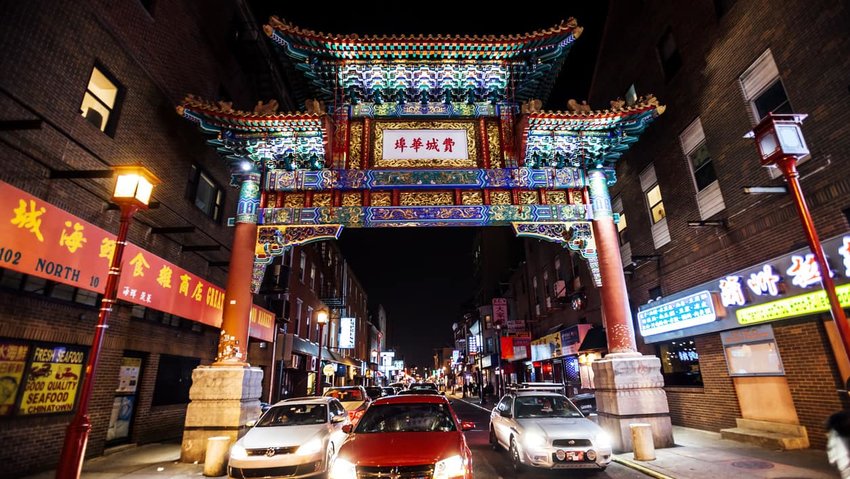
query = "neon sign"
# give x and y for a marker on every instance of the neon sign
(800, 305)
(731, 291)
(764, 281)
(691, 310)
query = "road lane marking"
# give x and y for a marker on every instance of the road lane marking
(476, 405)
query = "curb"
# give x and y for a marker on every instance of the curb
(641, 468)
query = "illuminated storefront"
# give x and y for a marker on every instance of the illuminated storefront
(756, 320)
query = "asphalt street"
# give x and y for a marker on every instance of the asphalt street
(490, 464)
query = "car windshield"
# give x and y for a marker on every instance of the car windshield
(374, 392)
(346, 395)
(544, 406)
(413, 417)
(294, 415)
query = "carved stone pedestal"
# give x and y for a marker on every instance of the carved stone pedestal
(224, 399)
(629, 389)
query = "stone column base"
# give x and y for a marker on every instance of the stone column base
(223, 400)
(630, 389)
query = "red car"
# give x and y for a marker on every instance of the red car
(406, 437)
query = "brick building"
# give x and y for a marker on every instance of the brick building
(753, 359)
(89, 85)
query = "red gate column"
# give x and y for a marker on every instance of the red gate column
(226, 395)
(233, 343)
(629, 386)
(615, 298)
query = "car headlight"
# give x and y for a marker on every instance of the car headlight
(342, 469)
(603, 440)
(238, 452)
(450, 467)
(310, 447)
(533, 440)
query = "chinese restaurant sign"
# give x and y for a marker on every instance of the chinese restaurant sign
(13, 360)
(691, 310)
(52, 380)
(500, 311)
(425, 144)
(39, 239)
(784, 287)
(347, 332)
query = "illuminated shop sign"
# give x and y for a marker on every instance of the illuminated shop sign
(39, 239)
(781, 288)
(691, 310)
(800, 305)
(347, 332)
(425, 144)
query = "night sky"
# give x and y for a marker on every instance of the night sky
(423, 276)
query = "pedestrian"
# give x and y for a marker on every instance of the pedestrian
(838, 442)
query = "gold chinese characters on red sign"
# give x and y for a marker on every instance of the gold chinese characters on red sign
(39, 239)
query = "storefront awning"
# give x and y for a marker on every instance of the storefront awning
(594, 340)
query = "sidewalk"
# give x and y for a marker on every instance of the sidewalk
(704, 455)
(151, 461)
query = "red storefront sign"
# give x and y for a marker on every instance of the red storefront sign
(500, 311)
(39, 239)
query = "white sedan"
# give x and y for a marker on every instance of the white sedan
(295, 438)
(544, 429)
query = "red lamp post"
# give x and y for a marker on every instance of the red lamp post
(322, 319)
(780, 142)
(133, 188)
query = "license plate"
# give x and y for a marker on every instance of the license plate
(574, 456)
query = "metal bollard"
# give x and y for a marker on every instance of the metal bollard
(642, 442)
(215, 460)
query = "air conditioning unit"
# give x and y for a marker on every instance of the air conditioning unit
(560, 288)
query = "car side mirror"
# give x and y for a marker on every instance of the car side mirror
(505, 413)
(338, 419)
(467, 425)
(347, 428)
(251, 423)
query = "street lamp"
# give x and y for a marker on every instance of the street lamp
(780, 143)
(132, 192)
(322, 319)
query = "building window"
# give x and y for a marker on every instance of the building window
(668, 53)
(655, 204)
(313, 277)
(680, 363)
(622, 224)
(101, 100)
(309, 323)
(173, 380)
(303, 266)
(205, 193)
(298, 305)
(695, 148)
(763, 89)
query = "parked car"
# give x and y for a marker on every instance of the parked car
(426, 437)
(543, 429)
(374, 392)
(353, 398)
(295, 438)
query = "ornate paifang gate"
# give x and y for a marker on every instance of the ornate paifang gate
(442, 131)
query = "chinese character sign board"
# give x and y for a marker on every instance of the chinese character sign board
(347, 332)
(39, 239)
(13, 360)
(52, 380)
(500, 311)
(425, 145)
(681, 313)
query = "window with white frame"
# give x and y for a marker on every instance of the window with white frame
(701, 165)
(298, 305)
(764, 92)
(303, 266)
(313, 277)
(101, 100)
(655, 206)
(309, 323)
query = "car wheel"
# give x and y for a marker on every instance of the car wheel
(516, 461)
(494, 443)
